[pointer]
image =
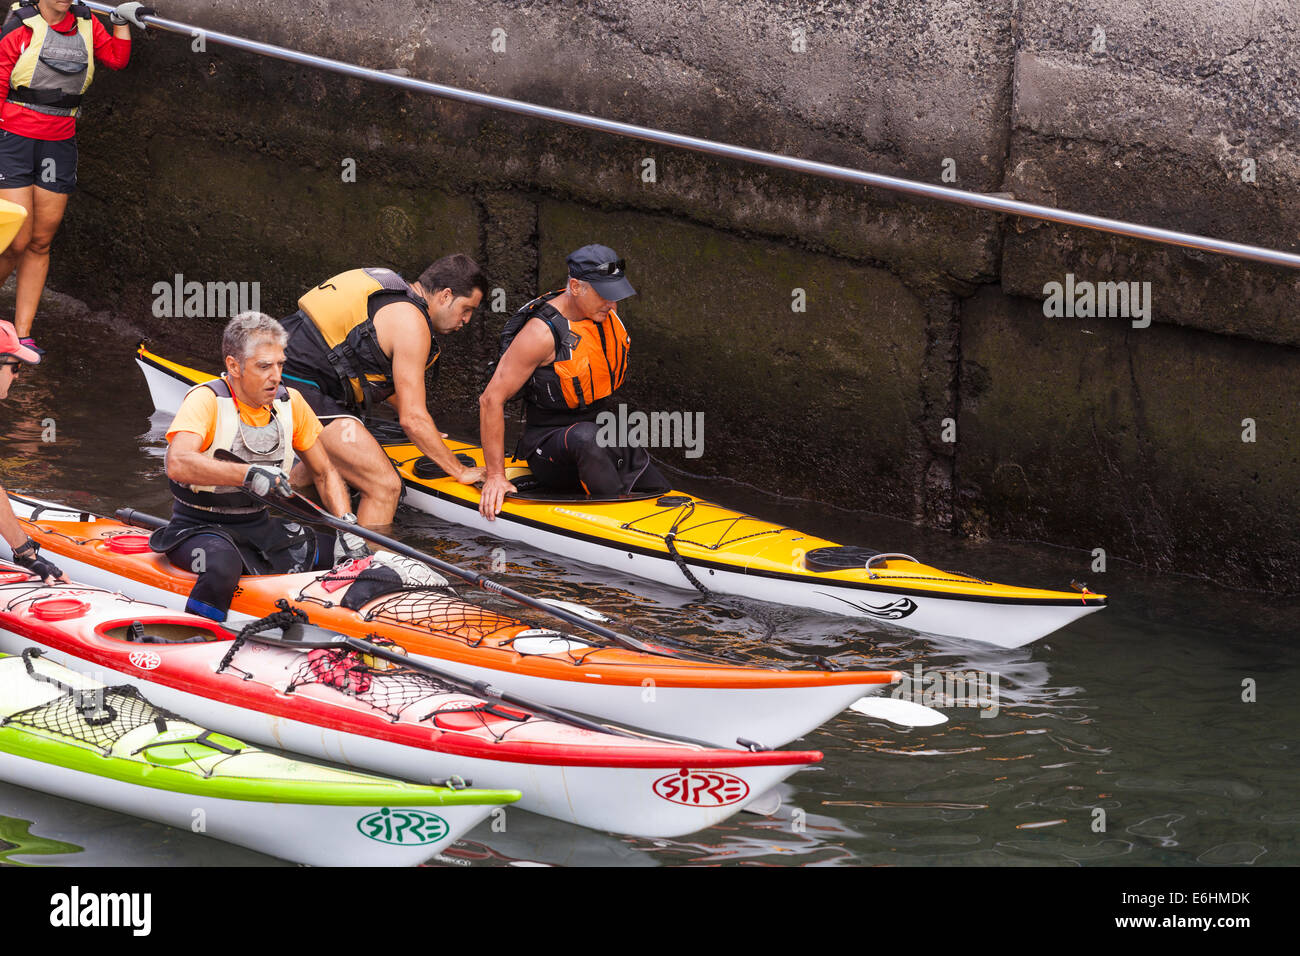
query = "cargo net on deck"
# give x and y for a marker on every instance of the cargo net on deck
(392, 689)
(99, 717)
(433, 611)
(387, 688)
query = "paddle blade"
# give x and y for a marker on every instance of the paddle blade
(764, 805)
(581, 610)
(904, 712)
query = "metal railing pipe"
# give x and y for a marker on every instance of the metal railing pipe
(993, 203)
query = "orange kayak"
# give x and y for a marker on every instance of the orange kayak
(667, 692)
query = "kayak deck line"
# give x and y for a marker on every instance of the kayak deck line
(763, 561)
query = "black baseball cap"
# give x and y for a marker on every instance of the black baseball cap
(601, 266)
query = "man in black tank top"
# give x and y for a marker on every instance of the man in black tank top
(389, 347)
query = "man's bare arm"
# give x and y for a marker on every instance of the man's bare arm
(408, 336)
(187, 465)
(533, 346)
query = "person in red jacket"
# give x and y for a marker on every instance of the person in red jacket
(48, 51)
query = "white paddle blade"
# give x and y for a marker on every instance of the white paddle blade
(765, 804)
(579, 609)
(905, 712)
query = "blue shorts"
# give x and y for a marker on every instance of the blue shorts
(49, 164)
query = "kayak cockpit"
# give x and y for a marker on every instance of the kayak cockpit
(162, 632)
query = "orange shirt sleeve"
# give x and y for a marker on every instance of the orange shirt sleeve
(306, 426)
(197, 414)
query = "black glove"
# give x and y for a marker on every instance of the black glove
(131, 13)
(29, 557)
(261, 480)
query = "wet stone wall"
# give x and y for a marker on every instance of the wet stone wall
(845, 344)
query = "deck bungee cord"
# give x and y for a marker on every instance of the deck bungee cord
(99, 717)
(961, 197)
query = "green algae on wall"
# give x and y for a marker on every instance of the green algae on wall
(1091, 433)
(811, 402)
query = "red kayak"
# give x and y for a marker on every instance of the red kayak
(330, 703)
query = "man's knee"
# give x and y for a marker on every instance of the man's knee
(227, 565)
(214, 559)
(39, 245)
(582, 440)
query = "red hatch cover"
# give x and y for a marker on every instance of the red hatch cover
(59, 609)
(128, 543)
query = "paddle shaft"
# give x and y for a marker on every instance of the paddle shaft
(317, 514)
(477, 688)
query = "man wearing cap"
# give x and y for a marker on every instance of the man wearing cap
(568, 351)
(13, 356)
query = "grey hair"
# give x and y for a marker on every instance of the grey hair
(246, 329)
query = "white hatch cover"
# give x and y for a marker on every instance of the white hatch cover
(540, 641)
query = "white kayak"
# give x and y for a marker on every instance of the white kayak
(67, 734)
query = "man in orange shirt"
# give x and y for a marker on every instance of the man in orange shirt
(218, 530)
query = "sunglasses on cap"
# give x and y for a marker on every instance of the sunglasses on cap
(612, 269)
(14, 364)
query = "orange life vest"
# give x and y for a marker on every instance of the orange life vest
(589, 367)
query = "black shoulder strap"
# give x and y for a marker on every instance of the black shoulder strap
(390, 281)
(219, 386)
(82, 11)
(222, 389)
(550, 316)
(541, 308)
(18, 16)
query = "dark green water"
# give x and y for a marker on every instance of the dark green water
(1136, 711)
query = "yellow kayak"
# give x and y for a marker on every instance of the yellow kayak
(678, 539)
